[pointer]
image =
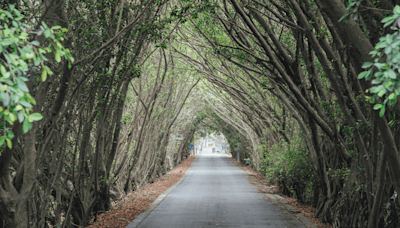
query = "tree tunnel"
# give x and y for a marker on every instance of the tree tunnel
(101, 97)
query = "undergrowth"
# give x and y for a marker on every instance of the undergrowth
(289, 166)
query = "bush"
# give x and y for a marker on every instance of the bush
(289, 166)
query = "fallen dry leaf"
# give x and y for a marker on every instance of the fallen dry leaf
(136, 202)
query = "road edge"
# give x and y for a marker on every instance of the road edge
(159, 199)
(282, 204)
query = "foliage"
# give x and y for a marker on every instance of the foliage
(291, 167)
(275, 81)
(20, 59)
(386, 62)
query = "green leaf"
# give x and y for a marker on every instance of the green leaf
(388, 49)
(44, 75)
(2, 139)
(373, 53)
(35, 116)
(12, 117)
(48, 49)
(48, 70)
(343, 17)
(377, 106)
(15, 24)
(26, 104)
(389, 23)
(389, 38)
(23, 35)
(22, 86)
(26, 126)
(382, 112)
(8, 14)
(6, 99)
(376, 81)
(379, 65)
(373, 100)
(10, 134)
(7, 75)
(376, 89)
(36, 61)
(58, 57)
(396, 43)
(367, 64)
(43, 57)
(47, 33)
(56, 27)
(9, 143)
(382, 92)
(18, 107)
(362, 74)
(388, 83)
(3, 70)
(397, 9)
(387, 19)
(20, 116)
(30, 98)
(392, 74)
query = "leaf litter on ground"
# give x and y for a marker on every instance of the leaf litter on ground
(137, 201)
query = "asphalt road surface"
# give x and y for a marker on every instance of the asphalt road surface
(216, 193)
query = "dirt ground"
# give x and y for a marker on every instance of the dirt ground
(263, 186)
(136, 202)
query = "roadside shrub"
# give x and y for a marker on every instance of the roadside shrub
(289, 167)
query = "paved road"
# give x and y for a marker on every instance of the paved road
(216, 193)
